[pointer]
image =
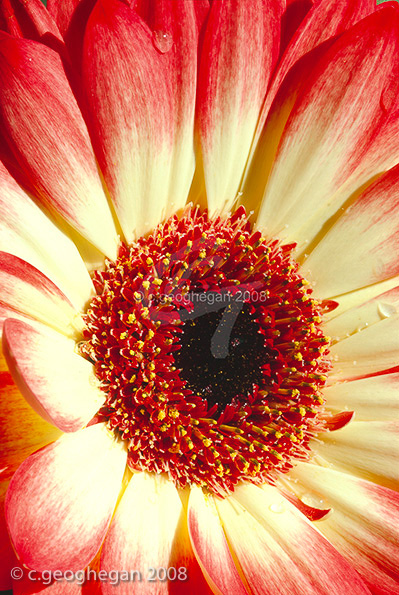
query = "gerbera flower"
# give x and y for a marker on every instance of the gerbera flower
(199, 291)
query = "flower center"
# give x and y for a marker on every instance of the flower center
(207, 343)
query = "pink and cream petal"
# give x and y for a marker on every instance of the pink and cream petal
(363, 525)
(323, 21)
(141, 111)
(368, 351)
(29, 234)
(366, 449)
(57, 382)
(149, 530)
(60, 501)
(279, 550)
(181, 20)
(210, 545)
(327, 150)
(240, 47)
(361, 247)
(373, 399)
(28, 294)
(57, 158)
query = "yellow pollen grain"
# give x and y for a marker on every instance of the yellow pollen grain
(149, 261)
(146, 284)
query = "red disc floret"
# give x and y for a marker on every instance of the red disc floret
(208, 344)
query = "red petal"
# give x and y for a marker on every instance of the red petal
(30, 19)
(62, 12)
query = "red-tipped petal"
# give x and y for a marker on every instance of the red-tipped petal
(60, 501)
(58, 383)
(363, 525)
(140, 86)
(149, 531)
(328, 147)
(210, 545)
(27, 293)
(239, 51)
(279, 550)
(26, 232)
(45, 129)
(371, 228)
(323, 21)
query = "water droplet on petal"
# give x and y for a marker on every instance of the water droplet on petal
(162, 41)
(386, 310)
(277, 507)
(314, 501)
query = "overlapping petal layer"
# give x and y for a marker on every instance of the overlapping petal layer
(27, 293)
(57, 382)
(364, 524)
(57, 159)
(130, 74)
(62, 488)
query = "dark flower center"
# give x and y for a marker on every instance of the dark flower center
(222, 353)
(208, 346)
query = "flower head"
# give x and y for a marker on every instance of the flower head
(198, 295)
